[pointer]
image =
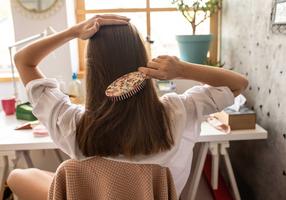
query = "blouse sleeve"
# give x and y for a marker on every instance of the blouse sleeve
(187, 110)
(55, 111)
(207, 99)
(200, 101)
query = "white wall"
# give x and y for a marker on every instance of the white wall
(249, 47)
(59, 64)
(7, 91)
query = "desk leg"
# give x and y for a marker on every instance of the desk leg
(7, 165)
(214, 149)
(28, 159)
(58, 155)
(3, 174)
(198, 171)
(231, 176)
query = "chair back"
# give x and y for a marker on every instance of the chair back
(100, 179)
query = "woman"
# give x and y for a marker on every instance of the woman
(141, 129)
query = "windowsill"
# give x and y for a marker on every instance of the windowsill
(7, 77)
(81, 74)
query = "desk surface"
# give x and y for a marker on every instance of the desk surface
(209, 133)
(11, 139)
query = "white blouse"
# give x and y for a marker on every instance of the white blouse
(54, 109)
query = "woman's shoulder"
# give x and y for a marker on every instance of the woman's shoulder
(176, 103)
(171, 100)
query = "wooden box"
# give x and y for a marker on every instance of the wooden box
(243, 119)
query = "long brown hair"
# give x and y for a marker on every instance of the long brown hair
(137, 125)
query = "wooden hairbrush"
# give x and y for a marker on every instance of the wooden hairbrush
(126, 86)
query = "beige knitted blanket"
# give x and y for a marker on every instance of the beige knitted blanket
(102, 179)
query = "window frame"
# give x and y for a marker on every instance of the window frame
(215, 24)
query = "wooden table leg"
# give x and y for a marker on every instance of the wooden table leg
(198, 171)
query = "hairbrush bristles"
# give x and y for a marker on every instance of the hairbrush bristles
(126, 86)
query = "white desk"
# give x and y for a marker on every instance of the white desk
(209, 133)
(13, 143)
(217, 142)
(11, 139)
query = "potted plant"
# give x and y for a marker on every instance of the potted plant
(194, 48)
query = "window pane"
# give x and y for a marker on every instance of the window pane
(138, 19)
(6, 34)
(164, 28)
(111, 4)
(161, 4)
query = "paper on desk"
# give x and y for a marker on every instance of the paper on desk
(239, 101)
(214, 122)
(28, 125)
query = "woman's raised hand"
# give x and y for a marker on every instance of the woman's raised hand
(163, 68)
(88, 28)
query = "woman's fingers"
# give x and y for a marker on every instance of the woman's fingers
(110, 16)
(163, 56)
(103, 21)
(153, 64)
(157, 68)
(110, 19)
(157, 60)
(88, 28)
(153, 73)
(163, 67)
(176, 58)
(94, 28)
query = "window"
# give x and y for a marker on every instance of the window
(157, 20)
(6, 36)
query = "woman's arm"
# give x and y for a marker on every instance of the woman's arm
(27, 59)
(167, 67)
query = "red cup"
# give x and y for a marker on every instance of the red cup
(8, 105)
